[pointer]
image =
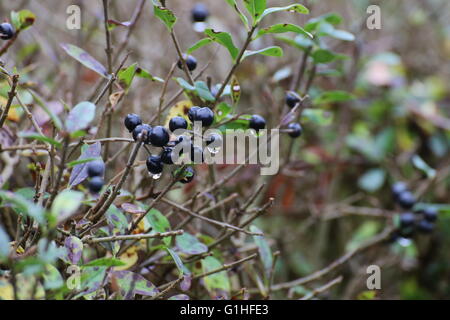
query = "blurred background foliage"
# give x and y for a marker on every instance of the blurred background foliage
(388, 120)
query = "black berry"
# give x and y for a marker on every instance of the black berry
(139, 129)
(296, 130)
(257, 122)
(192, 113)
(6, 31)
(189, 174)
(132, 121)
(214, 137)
(292, 99)
(430, 214)
(191, 62)
(154, 164)
(406, 200)
(95, 168)
(159, 136)
(407, 219)
(205, 115)
(95, 184)
(425, 226)
(199, 13)
(166, 155)
(177, 123)
(397, 188)
(196, 154)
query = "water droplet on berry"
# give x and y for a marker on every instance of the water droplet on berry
(155, 176)
(214, 150)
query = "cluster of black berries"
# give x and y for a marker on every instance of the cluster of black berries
(421, 220)
(6, 31)
(295, 129)
(95, 171)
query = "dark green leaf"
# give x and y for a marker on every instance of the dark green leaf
(105, 262)
(164, 14)
(291, 8)
(233, 4)
(178, 262)
(273, 51)
(37, 136)
(159, 223)
(224, 38)
(189, 244)
(199, 44)
(217, 283)
(333, 96)
(282, 28)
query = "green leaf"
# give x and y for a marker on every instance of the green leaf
(23, 206)
(91, 280)
(217, 283)
(185, 85)
(282, 28)
(81, 161)
(4, 244)
(203, 91)
(273, 51)
(233, 4)
(142, 73)
(255, 8)
(325, 56)
(223, 38)
(80, 116)
(291, 8)
(222, 111)
(372, 180)
(340, 35)
(131, 283)
(265, 253)
(189, 244)
(178, 262)
(22, 19)
(37, 136)
(126, 75)
(164, 14)
(201, 43)
(116, 219)
(159, 223)
(105, 262)
(66, 204)
(300, 42)
(420, 164)
(329, 18)
(84, 58)
(333, 96)
(52, 278)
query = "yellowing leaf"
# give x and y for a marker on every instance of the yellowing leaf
(179, 109)
(6, 290)
(129, 257)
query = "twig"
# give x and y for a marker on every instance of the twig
(158, 235)
(11, 95)
(322, 289)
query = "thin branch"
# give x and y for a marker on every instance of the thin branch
(158, 235)
(11, 95)
(322, 289)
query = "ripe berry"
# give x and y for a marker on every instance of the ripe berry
(406, 200)
(177, 123)
(205, 115)
(6, 31)
(154, 164)
(214, 137)
(132, 120)
(166, 155)
(296, 128)
(189, 174)
(425, 226)
(95, 184)
(430, 214)
(192, 113)
(199, 13)
(191, 62)
(257, 122)
(407, 219)
(292, 99)
(196, 154)
(397, 188)
(95, 168)
(159, 136)
(138, 130)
